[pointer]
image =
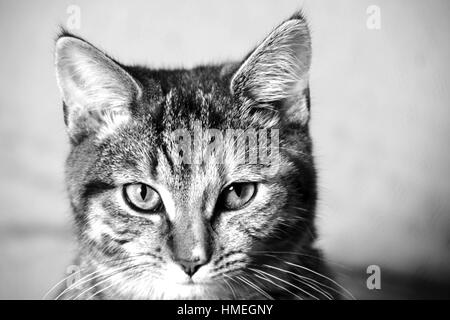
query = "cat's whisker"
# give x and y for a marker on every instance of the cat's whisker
(89, 275)
(296, 253)
(301, 279)
(98, 292)
(56, 286)
(284, 281)
(108, 277)
(315, 285)
(100, 274)
(277, 285)
(112, 284)
(254, 286)
(323, 276)
(317, 289)
(230, 286)
(115, 272)
(76, 284)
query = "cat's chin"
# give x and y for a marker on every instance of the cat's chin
(188, 291)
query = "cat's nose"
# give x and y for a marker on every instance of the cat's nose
(191, 266)
(190, 244)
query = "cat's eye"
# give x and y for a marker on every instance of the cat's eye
(141, 197)
(237, 195)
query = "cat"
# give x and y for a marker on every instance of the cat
(151, 222)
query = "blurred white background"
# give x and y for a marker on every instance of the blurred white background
(380, 122)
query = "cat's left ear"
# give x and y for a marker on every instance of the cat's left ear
(276, 73)
(97, 92)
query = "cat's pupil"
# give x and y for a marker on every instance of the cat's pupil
(143, 192)
(238, 190)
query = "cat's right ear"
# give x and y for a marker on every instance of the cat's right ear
(97, 92)
(276, 74)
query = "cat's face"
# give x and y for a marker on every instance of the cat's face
(168, 203)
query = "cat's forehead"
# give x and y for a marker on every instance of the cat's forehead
(184, 82)
(185, 96)
(181, 107)
(194, 104)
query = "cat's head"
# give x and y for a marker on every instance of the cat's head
(190, 183)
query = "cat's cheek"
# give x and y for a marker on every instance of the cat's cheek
(96, 228)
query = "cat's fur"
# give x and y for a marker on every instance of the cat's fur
(119, 120)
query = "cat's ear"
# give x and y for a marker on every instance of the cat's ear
(276, 72)
(97, 92)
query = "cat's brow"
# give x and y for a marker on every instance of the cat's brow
(254, 172)
(95, 187)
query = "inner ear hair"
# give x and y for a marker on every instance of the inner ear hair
(277, 71)
(96, 90)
